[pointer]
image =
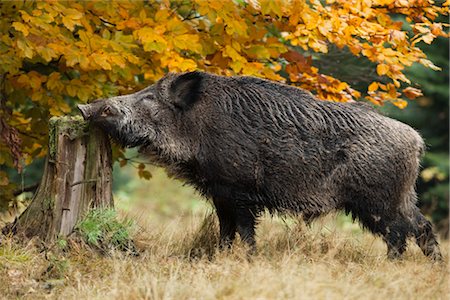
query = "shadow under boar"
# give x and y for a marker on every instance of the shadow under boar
(251, 145)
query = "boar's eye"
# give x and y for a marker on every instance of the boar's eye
(148, 97)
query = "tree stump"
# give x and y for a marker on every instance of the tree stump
(77, 177)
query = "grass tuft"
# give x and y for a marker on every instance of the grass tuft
(203, 242)
(102, 229)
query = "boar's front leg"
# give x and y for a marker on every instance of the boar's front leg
(227, 221)
(246, 222)
(234, 217)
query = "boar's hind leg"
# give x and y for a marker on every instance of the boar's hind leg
(227, 222)
(393, 227)
(395, 236)
(425, 237)
(402, 227)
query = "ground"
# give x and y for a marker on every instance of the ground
(332, 259)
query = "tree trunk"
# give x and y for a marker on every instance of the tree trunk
(77, 177)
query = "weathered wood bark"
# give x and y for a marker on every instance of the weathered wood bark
(77, 177)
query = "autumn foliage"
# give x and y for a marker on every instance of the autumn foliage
(55, 54)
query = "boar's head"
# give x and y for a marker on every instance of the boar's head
(153, 118)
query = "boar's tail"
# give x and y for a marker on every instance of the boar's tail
(422, 149)
(421, 145)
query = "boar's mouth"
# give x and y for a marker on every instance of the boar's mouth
(103, 116)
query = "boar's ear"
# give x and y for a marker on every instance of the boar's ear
(184, 89)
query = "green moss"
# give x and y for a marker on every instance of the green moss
(52, 140)
(72, 126)
(48, 203)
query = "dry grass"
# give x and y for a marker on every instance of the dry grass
(293, 262)
(333, 259)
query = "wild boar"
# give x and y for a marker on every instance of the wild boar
(252, 145)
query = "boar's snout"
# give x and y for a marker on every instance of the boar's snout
(97, 109)
(86, 110)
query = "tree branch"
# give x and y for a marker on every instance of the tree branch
(29, 188)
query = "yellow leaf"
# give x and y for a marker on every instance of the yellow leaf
(23, 45)
(46, 53)
(73, 57)
(236, 66)
(64, 107)
(54, 82)
(85, 37)
(69, 23)
(161, 15)
(355, 49)
(187, 65)
(433, 172)
(83, 93)
(325, 27)
(397, 36)
(176, 27)
(236, 26)
(310, 20)
(35, 80)
(118, 60)
(20, 27)
(268, 6)
(392, 91)
(23, 80)
(57, 48)
(73, 13)
(318, 45)
(187, 42)
(427, 63)
(400, 103)
(156, 46)
(341, 86)
(428, 38)
(55, 111)
(151, 40)
(382, 69)
(37, 95)
(84, 62)
(258, 51)
(101, 60)
(233, 54)
(71, 90)
(26, 17)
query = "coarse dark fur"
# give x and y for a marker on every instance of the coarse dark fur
(251, 145)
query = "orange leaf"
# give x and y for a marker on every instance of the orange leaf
(412, 93)
(373, 86)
